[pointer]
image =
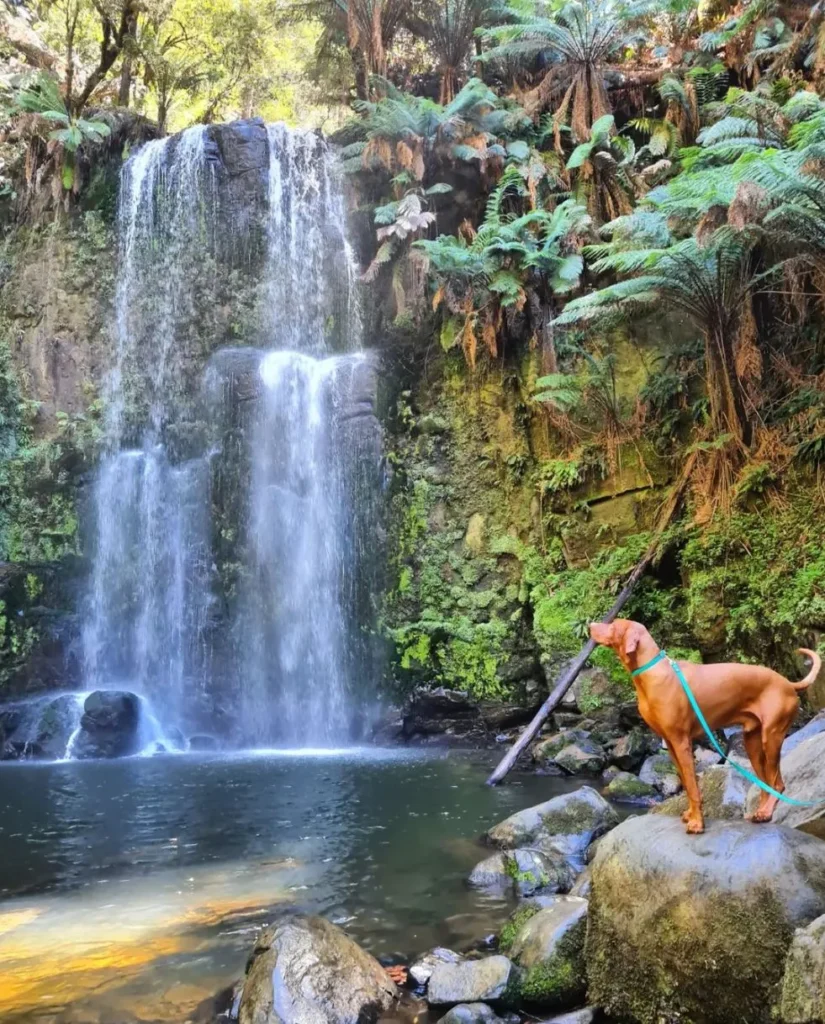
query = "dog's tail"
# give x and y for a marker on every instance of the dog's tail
(816, 665)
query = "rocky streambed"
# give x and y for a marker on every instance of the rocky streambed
(629, 920)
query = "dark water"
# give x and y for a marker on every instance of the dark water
(135, 888)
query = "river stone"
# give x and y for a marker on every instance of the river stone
(523, 873)
(550, 950)
(813, 728)
(585, 757)
(583, 1016)
(567, 824)
(660, 771)
(723, 790)
(544, 752)
(422, 969)
(471, 1013)
(697, 927)
(630, 751)
(630, 788)
(470, 981)
(305, 970)
(109, 726)
(705, 759)
(802, 999)
(803, 772)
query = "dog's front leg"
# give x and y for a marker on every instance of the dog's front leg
(681, 751)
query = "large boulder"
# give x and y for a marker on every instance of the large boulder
(807, 732)
(684, 927)
(549, 948)
(493, 979)
(629, 788)
(110, 725)
(724, 792)
(523, 873)
(567, 824)
(304, 970)
(802, 999)
(803, 772)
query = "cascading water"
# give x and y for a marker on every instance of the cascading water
(276, 492)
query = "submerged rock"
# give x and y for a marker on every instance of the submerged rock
(697, 927)
(549, 948)
(304, 970)
(802, 998)
(523, 873)
(723, 790)
(471, 981)
(471, 1013)
(567, 824)
(109, 726)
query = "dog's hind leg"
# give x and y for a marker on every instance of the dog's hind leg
(752, 736)
(772, 740)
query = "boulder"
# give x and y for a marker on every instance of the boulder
(685, 927)
(567, 824)
(304, 970)
(471, 981)
(549, 948)
(523, 873)
(813, 728)
(630, 789)
(802, 998)
(803, 771)
(544, 752)
(630, 750)
(660, 772)
(585, 757)
(440, 711)
(422, 969)
(109, 726)
(471, 1013)
(724, 792)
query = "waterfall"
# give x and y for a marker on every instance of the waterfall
(235, 491)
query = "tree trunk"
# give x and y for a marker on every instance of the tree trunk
(725, 394)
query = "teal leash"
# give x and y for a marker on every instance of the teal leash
(662, 656)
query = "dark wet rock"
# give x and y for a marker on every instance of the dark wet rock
(109, 726)
(203, 742)
(523, 873)
(698, 927)
(660, 772)
(304, 970)
(440, 711)
(549, 949)
(803, 771)
(544, 752)
(802, 999)
(422, 969)
(629, 751)
(724, 792)
(585, 757)
(471, 1013)
(471, 981)
(630, 789)
(567, 824)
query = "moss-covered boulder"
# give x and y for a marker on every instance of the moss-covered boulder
(697, 928)
(549, 948)
(567, 824)
(629, 788)
(802, 999)
(724, 792)
(523, 873)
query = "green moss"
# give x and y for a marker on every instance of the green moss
(515, 922)
(558, 981)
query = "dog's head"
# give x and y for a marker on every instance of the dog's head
(622, 635)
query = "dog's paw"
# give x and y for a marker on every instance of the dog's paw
(759, 817)
(695, 826)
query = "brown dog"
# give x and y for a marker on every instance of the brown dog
(762, 701)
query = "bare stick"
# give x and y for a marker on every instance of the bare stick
(575, 666)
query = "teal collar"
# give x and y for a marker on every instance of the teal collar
(653, 661)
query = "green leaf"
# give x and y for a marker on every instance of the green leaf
(67, 176)
(440, 188)
(451, 330)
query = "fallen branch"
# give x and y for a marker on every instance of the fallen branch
(578, 663)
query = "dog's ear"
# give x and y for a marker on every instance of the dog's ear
(632, 636)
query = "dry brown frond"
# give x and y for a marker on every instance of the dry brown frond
(580, 118)
(404, 155)
(749, 205)
(747, 355)
(439, 295)
(488, 333)
(469, 341)
(713, 219)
